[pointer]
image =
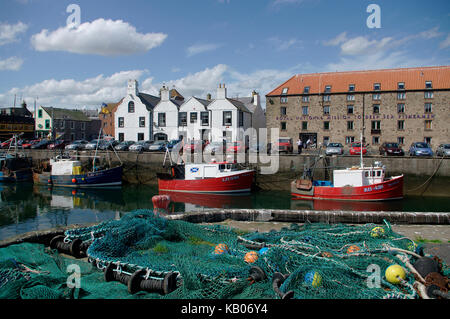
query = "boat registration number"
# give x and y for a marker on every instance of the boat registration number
(231, 178)
(376, 188)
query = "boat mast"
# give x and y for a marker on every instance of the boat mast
(361, 152)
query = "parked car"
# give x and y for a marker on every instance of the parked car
(388, 148)
(6, 143)
(124, 146)
(92, 145)
(140, 146)
(158, 146)
(194, 146)
(420, 149)
(284, 144)
(355, 149)
(215, 148)
(28, 144)
(41, 145)
(237, 147)
(172, 143)
(334, 149)
(57, 145)
(77, 145)
(443, 150)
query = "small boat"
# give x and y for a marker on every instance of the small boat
(356, 183)
(15, 167)
(214, 177)
(68, 172)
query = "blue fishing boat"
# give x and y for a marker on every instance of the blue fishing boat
(14, 168)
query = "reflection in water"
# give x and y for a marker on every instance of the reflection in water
(25, 207)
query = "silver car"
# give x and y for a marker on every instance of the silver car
(443, 150)
(334, 149)
(140, 146)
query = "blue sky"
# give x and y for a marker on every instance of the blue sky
(195, 45)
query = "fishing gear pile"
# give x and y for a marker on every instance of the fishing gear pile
(145, 255)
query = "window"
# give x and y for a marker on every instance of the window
(400, 108)
(305, 98)
(227, 118)
(131, 107)
(350, 97)
(283, 126)
(327, 89)
(142, 121)
(401, 95)
(349, 139)
(162, 119)
(285, 90)
(428, 107)
(376, 108)
(306, 90)
(326, 109)
(428, 85)
(241, 118)
(62, 124)
(401, 85)
(83, 126)
(282, 110)
(428, 94)
(121, 137)
(193, 117)
(349, 125)
(375, 140)
(305, 110)
(376, 125)
(283, 99)
(377, 86)
(204, 116)
(400, 125)
(47, 124)
(121, 122)
(326, 98)
(140, 136)
(351, 88)
(40, 113)
(401, 140)
(304, 125)
(72, 125)
(349, 109)
(326, 125)
(428, 125)
(182, 119)
(427, 140)
(376, 96)
(326, 140)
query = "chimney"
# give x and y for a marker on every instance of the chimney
(255, 96)
(221, 92)
(208, 96)
(133, 87)
(164, 93)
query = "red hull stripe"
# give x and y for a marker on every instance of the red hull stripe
(392, 189)
(241, 182)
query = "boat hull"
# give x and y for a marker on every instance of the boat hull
(103, 178)
(236, 183)
(387, 190)
(23, 175)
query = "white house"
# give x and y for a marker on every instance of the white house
(166, 115)
(194, 119)
(134, 116)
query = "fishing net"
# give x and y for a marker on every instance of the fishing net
(317, 260)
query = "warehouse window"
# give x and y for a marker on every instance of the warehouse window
(401, 140)
(326, 110)
(349, 125)
(428, 107)
(306, 90)
(282, 110)
(400, 125)
(428, 94)
(350, 97)
(328, 89)
(283, 99)
(428, 125)
(305, 110)
(305, 98)
(283, 126)
(400, 108)
(349, 109)
(428, 85)
(349, 139)
(304, 126)
(376, 86)
(376, 108)
(351, 88)
(326, 125)
(401, 95)
(401, 85)
(376, 96)
(285, 90)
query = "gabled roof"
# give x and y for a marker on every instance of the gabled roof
(150, 101)
(66, 114)
(239, 105)
(248, 102)
(414, 79)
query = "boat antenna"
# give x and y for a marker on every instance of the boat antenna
(361, 151)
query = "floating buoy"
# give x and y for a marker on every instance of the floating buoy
(74, 180)
(263, 250)
(251, 257)
(161, 202)
(377, 232)
(393, 273)
(313, 279)
(327, 254)
(220, 249)
(352, 249)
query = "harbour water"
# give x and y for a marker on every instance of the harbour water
(27, 207)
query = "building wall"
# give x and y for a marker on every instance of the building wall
(171, 111)
(40, 127)
(414, 117)
(194, 130)
(131, 127)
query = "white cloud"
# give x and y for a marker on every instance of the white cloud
(340, 38)
(10, 32)
(201, 48)
(101, 37)
(283, 45)
(11, 64)
(361, 45)
(446, 43)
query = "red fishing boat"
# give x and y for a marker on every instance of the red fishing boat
(223, 177)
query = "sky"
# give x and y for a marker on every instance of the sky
(80, 54)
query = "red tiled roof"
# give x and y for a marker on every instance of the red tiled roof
(414, 79)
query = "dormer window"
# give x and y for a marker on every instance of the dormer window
(428, 85)
(401, 85)
(377, 86)
(285, 90)
(327, 89)
(351, 88)
(306, 90)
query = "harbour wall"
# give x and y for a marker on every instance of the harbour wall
(423, 176)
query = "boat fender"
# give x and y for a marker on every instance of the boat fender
(277, 281)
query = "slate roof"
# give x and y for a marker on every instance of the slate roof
(66, 114)
(150, 101)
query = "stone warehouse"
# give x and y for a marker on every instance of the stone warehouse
(392, 105)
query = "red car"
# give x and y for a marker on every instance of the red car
(194, 146)
(237, 147)
(355, 149)
(28, 144)
(285, 145)
(6, 143)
